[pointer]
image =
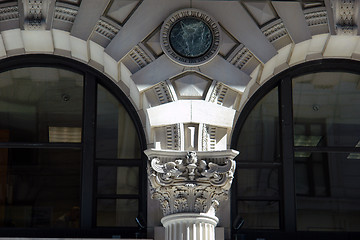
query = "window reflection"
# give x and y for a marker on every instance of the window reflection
(257, 182)
(324, 109)
(32, 99)
(116, 136)
(259, 138)
(259, 214)
(118, 180)
(338, 211)
(40, 188)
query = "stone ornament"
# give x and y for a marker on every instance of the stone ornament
(190, 182)
(345, 14)
(190, 37)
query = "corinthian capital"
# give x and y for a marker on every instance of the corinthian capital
(186, 182)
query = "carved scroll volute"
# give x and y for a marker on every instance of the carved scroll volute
(189, 181)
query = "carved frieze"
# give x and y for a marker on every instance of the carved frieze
(275, 32)
(190, 182)
(35, 14)
(65, 14)
(8, 13)
(106, 29)
(345, 14)
(316, 18)
(163, 93)
(140, 56)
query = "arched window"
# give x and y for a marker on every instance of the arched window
(298, 170)
(70, 152)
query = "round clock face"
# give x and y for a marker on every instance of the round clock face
(190, 37)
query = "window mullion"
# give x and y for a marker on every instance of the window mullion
(289, 207)
(88, 151)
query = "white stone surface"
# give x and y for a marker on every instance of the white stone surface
(292, 15)
(135, 95)
(318, 43)
(96, 52)
(125, 74)
(221, 70)
(111, 67)
(282, 58)
(191, 111)
(341, 46)
(12, 39)
(299, 52)
(79, 49)
(190, 226)
(37, 41)
(2, 48)
(61, 39)
(159, 70)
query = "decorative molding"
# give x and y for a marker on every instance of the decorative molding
(106, 29)
(208, 138)
(163, 93)
(218, 94)
(173, 139)
(73, 2)
(316, 18)
(140, 56)
(275, 32)
(242, 57)
(205, 137)
(35, 14)
(9, 13)
(190, 13)
(65, 14)
(346, 14)
(186, 182)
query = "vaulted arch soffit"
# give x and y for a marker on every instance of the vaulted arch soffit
(181, 107)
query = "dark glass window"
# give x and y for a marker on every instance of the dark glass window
(37, 102)
(40, 188)
(325, 112)
(298, 167)
(70, 154)
(259, 138)
(116, 135)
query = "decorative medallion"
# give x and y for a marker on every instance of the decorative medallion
(190, 37)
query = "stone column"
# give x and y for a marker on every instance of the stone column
(190, 187)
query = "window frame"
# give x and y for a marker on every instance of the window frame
(287, 210)
(92, 78)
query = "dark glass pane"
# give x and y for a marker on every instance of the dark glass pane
(118, 180)
(311, 169)
(259, 214)
(40, 188)
(339, 211)
(37, 99)
(117, 212)
(116, 136)
(259, 137)
(302, 179)
(326, 109)
(257, 182)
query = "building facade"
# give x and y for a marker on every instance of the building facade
(186, 119)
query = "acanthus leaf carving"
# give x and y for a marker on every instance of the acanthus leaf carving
(190, 183)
